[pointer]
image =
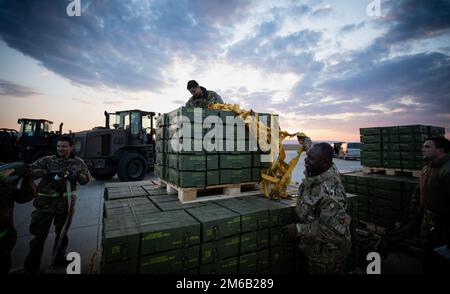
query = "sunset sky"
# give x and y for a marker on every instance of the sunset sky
(326, 67)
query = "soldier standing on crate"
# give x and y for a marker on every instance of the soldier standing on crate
(51, 203)
(435, 199)
(324, 229)
(12, 189)
(200, 96)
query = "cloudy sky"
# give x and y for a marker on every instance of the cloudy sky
(327, 67)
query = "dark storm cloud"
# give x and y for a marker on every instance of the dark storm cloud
(416, 19)
(113, 43)
(370, 77)
(291, 53)
(10, 89)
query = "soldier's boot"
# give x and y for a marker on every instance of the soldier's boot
(33, 260)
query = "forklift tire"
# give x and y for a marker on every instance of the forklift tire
(132, 167)
(103, 177)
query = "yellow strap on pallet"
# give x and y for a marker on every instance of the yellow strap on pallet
(277, 177)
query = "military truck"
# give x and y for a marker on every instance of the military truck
(8, 145)
(36, 139)
(127, 149)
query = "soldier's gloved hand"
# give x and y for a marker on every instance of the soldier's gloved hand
(305, 141)
(72, 176)
(290, 231)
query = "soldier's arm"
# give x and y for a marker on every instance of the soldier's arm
(39, 168)
(333, 221)
(217, 98)
(189, 103)
(83, 176)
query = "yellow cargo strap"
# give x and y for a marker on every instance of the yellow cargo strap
(274, 181)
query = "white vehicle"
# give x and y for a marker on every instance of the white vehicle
(350, 150)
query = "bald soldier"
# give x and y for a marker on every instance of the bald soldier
(200, 96)
(324, 227)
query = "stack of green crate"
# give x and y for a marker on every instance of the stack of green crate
(199, 165)
(382, 200)
(144, 241)
(395, 147)
(158, 234)
(161, 163)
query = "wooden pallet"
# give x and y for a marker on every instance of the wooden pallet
(391, 171)
(189, 195)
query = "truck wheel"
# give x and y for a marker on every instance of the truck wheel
(132, 167)
(103, 177)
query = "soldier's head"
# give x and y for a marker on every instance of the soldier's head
(319, 158)
(434, 148)
(64, 146)
(194, 88)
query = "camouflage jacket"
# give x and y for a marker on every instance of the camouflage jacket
(324, 227)
(49, 191)
(203, 101)
(435, 188)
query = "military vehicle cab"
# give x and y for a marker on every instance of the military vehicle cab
(126, 148)
(36, 138)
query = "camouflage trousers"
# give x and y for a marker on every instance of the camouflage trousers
(323, 259)
(434, 232)
(40, 227)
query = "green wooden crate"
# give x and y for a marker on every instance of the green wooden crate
(171, 262)
(177, 205)
(371, 147)
(390, 130)
(253, 217)
(120, 240)
(255, 262)
(186, 179)
(236, 160)
(371, 139)
(280, 214)
(369, 131)
(254, 241)
(220, 249)
(194, 162)
(235, 176)
(412, 138)
(216, 221)
(370, 155)
(160, 171)
(167, 230)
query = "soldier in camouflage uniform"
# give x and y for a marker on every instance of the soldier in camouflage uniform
(10, 193)
(324, 227)
(51, 201)
(435, 200)
(200, 96)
